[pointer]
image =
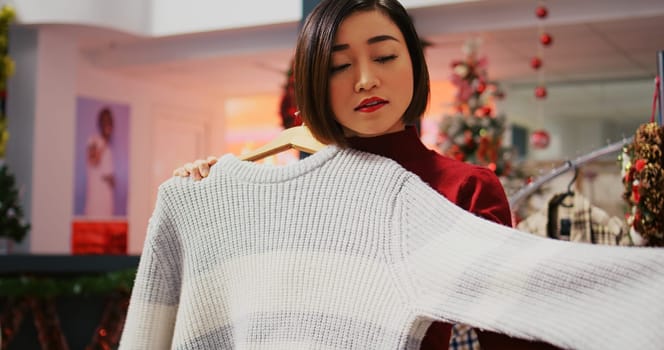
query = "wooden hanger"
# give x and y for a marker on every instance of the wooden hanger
(297, 137)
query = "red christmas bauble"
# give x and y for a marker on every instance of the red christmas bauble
(540, 139)
(540, 92)
(546, 39)
(541, 12)
(536, 62)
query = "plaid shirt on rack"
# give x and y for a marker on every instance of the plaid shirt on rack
(573, 218)
(464, 338)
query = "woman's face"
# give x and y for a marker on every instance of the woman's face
(371, 75)
(106, 127)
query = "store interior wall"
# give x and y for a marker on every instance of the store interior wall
(51, 75)
(21, 102)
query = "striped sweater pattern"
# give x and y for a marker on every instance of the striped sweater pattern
(347, 250)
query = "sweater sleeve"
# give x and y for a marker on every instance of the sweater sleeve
(154, 300)
(458, 267)
(482, 194)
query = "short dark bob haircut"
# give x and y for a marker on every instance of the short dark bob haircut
(312, 64)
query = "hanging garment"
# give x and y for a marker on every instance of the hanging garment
(573, 218)
(347, 250)
(473, 188)
(464, 338)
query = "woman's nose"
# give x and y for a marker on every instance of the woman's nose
(366, 79)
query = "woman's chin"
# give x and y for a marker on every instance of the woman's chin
(373, 132)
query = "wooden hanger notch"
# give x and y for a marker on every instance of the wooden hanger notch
(297, 137)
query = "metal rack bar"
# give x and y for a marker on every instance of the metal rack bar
(516, 198)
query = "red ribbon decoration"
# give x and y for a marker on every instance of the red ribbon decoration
(655, 98)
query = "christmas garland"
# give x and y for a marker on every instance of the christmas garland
(20, 295)
(46, 287)
(643, 179)
(47, 322)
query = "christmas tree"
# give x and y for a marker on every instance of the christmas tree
(475, 131)
(6, 70)
(12, 224)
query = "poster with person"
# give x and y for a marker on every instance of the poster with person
(101, 177)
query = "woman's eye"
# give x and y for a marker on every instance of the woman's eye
(339, 68)
(385, 59)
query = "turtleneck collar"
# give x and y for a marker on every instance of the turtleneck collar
(401, 145)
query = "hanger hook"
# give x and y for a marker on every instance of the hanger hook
(576, 174)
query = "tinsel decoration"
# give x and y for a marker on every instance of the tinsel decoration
(107, 335)
(643, 182)
(474, 132)
(12, 312)
(23, 293)
(47, 324)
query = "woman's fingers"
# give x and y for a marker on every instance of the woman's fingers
(196, 170)
(181, 172)
(204, 165)
(192, 170)
(202, 168)
(211, 160)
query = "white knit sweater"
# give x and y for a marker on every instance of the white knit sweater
(347, 250)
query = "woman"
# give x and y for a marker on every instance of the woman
(100, 170)
(360, 79)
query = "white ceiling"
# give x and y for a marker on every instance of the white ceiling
(601, 63)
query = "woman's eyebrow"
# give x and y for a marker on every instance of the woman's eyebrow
(372, 40)
(379, 38)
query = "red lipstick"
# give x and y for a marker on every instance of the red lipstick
(371, 104)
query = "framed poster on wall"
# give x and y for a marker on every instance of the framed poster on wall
(101, 177)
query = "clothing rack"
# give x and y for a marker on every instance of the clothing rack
(516, 198)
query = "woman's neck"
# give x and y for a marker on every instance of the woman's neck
(395, 129)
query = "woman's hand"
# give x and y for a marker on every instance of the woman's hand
(197, 170)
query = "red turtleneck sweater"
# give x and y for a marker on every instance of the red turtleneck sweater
(473, 188)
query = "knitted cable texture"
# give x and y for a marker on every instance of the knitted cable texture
(347, 250)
